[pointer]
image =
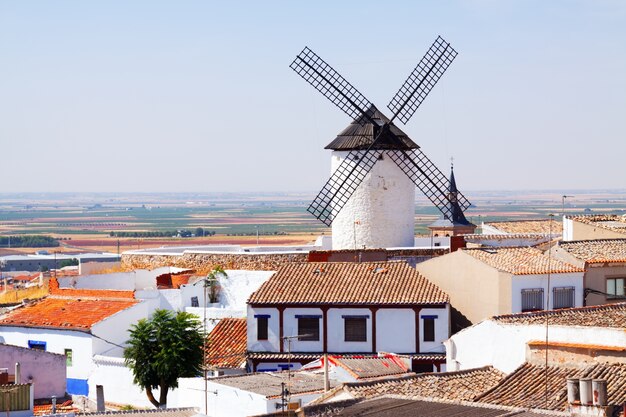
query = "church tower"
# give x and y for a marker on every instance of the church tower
(458, 225)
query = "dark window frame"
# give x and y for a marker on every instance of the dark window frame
(310, 328)
(355, 329)
(262, 328)
(428, 324)
(559, 294)
(614, 295)
(530, 304)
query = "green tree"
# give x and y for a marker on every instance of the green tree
(163, 348)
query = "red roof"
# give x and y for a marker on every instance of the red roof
(227, 344)
(65, 313)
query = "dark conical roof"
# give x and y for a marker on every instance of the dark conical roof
(356, 136)
(458, 217)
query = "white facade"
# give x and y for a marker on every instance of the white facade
(381, 211)
(395, 330)
(227, 401)
(522, 282)
(503, 346)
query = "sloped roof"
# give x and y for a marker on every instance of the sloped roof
(65, 313)
(356, 136)
(227, 344)
(521, 260)
(269, 383)
(540, 226)
(605, 221)
(608, 315)
(597, 251)
(371, 367)
(461, 385)
(526, 386)
(382, 283)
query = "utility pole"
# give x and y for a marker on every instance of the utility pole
(563, 197)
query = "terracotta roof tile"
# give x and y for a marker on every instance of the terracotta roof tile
(525, 387)
(521, 261)
(605, 221)
(597, 251)
(269, 385)
(541, 226)
(462, 385)
(65, 313)
(383, 283)
(372, 367)
(227, 344)
(608, 315)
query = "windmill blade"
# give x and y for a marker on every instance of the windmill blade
(332, 85)
(423, 78)
(428, 178)
(342, 183)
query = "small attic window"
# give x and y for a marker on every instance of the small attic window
(318, 270)
(489, 250)
(380, 270)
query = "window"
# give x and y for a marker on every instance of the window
(37, 344)
(194, 302)
(309, 326)
(68, 357)
(532, 299)
(563, 297)
(615, 287)
(429, 328)
(261, 327)
(355, 329)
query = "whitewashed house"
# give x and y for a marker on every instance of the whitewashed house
(76, 323)
(485, 282)
(573, 335)
(306, 309)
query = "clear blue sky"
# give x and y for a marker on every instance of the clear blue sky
(198, 95)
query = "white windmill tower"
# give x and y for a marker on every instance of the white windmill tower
(370, 196)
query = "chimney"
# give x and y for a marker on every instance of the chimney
(54, 404)
(18, 373)
(585, 392)
(599, 392)
(100, 398)
(573, 393)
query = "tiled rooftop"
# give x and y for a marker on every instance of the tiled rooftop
(227, 344)
(65, 313)
(606, 221)
(84, 292)
(529, 226)
(525, 387)
(372, 367)
(521, 261)
(462, 385)
(609, 315)
(269, 383)
(597, 251)
(168, 412)
(382, 283)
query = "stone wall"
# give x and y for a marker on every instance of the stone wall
(204, 262)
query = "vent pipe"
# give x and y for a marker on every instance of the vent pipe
(599, 392)
(586, 397)
(573, 394)
(18, 373)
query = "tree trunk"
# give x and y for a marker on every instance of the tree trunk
(151, 397)
(163, 397)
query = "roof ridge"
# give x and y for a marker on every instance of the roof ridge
(560, 311)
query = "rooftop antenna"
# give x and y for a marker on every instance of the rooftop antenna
(383, 139)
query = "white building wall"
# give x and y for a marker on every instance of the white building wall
(290, 328)
(442, 329)
(395, 330)
(114, 330)
(272, 344)
(56, 342)
(336, 330)
(117, 381)
(504, 346)
(520, 282)
(383, 204)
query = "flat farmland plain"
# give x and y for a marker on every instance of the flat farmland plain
(90, 222)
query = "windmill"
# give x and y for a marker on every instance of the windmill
(369, 198)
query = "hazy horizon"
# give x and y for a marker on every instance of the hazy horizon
(198, 97)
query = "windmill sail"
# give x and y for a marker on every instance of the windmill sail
(421, 80)
(429, 179)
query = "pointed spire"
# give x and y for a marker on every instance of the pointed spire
(452, 187)
(457, 212)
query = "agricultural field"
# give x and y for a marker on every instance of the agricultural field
(112, 222)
